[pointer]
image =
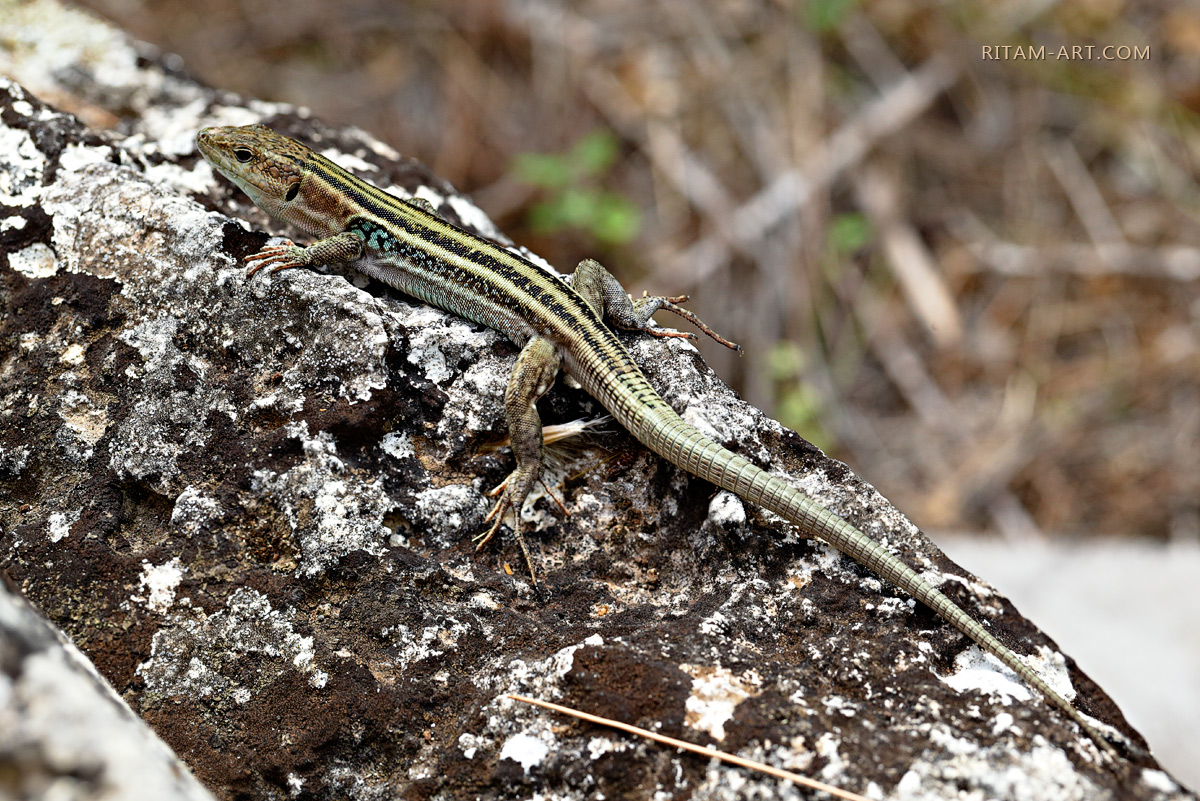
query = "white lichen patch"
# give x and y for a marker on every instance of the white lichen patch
(527, 750)
(714, 625)
(837, 704)
(942, 737)
(697, 416)
(201, 656)
(198, 179)
(835, 765)
(1159, 781)
(13, 460)
(716, 693)
(726, 509)
(430, 641)
(979, 589)
(539, 678)
(975, 670)
(158, 583)
(76, 157)
(397, 445)
(35, 261)
(106, 222)
(476, 399)
(892, 606)
(21, 164)
(447, 508)
(58, 525)
(425, 344)
(73, 355)
(380, 148)
(599, 746)
(825, 562)
(1041, 772)
(340, 331)
(482, 599)
(85, 420)
(469, 744)
(193, 511)
(331, 513)
(154, 341)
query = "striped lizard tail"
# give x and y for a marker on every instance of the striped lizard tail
(683, 445)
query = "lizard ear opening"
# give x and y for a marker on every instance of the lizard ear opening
(293, 190)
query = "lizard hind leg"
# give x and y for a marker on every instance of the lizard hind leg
(537, 365)
(606, 295)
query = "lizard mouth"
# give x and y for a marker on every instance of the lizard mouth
(209, 143)
(204, 141)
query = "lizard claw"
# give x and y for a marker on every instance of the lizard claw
(497, 514)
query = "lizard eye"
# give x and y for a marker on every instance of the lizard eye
(243, 155)
(293, 190)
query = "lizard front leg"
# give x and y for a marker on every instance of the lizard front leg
(537, 365)
(606, 295)
(338, 249)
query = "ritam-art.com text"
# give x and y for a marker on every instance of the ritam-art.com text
(1066, 52)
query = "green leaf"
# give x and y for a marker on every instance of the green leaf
(785, 361)
(540, 169)
(617, 219)
(848, 233)
(824, 16)
(569, 201)
(546, 218)
(595, 152)
(577, 207)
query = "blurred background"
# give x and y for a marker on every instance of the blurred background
(959, 246)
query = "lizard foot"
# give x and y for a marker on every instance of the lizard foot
(504, 504)
(277, 257)
(672, 305)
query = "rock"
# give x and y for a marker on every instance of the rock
(64, 733)
(251, 503)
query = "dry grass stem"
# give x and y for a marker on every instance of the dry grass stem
(732, 759)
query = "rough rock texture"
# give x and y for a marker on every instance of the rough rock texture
(64, 733)
(250, 503)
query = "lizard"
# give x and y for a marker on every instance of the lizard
(559, 326)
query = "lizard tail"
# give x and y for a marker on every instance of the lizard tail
(681, 443)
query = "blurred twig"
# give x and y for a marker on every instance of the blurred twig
(1172, 262)
(897, 106)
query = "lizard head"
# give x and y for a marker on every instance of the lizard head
(267, 166)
